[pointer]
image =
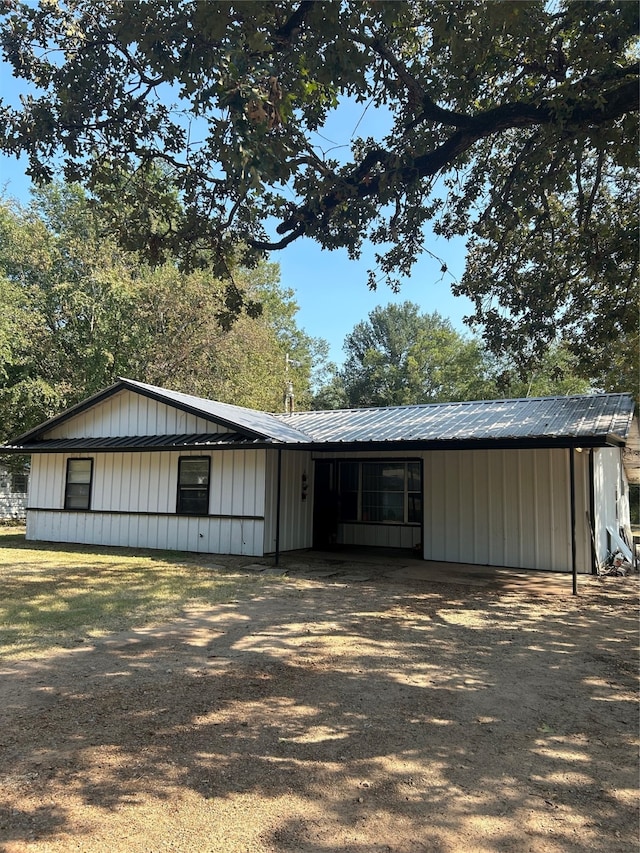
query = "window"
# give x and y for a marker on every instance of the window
(78, 488)
(19, 482)
(381, 492)
(193, 485)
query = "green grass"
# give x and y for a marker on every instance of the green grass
(58, 595)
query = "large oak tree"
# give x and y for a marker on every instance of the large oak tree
(515, 122)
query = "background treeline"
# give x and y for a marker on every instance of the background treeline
(78, 311)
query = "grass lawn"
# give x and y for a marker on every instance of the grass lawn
(60, 594)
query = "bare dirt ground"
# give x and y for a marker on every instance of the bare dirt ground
(358, 713)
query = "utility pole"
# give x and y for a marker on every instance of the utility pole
(289, 399)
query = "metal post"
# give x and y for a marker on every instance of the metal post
(572, 488)
(592, 514)
(279, 490)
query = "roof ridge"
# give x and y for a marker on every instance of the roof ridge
(491, 401)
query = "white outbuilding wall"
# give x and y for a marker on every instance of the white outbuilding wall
(13, 495)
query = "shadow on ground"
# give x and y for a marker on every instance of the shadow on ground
(326, 714)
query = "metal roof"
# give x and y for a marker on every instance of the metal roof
(589, 420)
(183, 441)
(601, 418)
(259, 424)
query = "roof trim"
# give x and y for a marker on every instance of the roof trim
(234, 441)
(140, 443)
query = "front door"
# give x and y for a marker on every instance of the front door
(325, 505)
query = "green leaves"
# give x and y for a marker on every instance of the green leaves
(400, 356)
(487, 102)
(77, 312)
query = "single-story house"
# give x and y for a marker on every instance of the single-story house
(13, 492)
(533, 483)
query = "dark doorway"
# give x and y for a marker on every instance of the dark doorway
(326, 510)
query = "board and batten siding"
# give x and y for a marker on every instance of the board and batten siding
(505, 508)
(133, 502)
(492, 507)
(610, 497)
(126, 413)
(296, 512)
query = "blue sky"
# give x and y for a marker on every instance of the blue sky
(333, 295)
(331, 290)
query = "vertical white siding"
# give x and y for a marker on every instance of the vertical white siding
(611, 496)
(496, 507)
(490, 507)
(172, 533)
(48, 473)
(128, 413)
(379, 535)
(296, 514)
(237, 482)
(505, 508)
(134, 497)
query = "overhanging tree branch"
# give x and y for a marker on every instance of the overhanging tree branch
(365, 183)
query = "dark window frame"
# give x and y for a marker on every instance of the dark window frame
(412, 498)
(19, 482)
(185, 489)
(68, 492)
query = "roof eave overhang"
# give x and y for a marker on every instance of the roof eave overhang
(540, 443)
(44, 447)
(408, 445)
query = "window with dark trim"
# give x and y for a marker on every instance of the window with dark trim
(19, 482)
(385, 492)
(77, 493)
(193, 485)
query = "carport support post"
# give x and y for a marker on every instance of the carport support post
(278, 493)
(572, 488)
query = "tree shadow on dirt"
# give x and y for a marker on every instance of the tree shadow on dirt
(384, 715)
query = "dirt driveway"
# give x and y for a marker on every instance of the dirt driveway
(347, 713)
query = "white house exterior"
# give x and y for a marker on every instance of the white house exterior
(535, 484)
(13, 493)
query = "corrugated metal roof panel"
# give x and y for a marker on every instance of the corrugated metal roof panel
(136, 442)
(591, 416)
(595, 419)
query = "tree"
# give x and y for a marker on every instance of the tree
(78, 312)
(492, 109)
(554, 374)
(547, 276)
(400, 356)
